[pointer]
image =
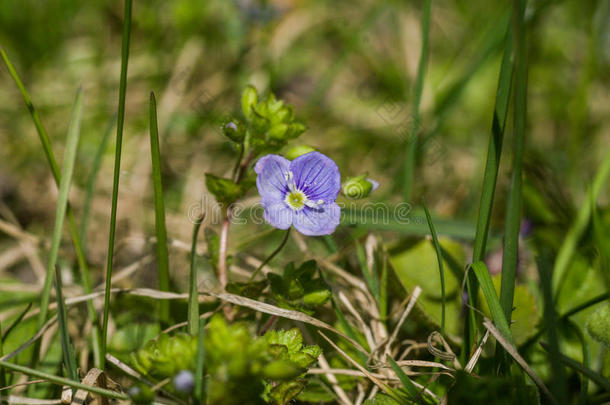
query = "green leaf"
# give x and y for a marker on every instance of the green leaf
(282, 370)
(249, 99)
(225, 191)
(526, 314)
(285, 392)
(249, 290)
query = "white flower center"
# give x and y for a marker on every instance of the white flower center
(296, 199)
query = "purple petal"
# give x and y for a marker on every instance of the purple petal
(317, 176)
(317, 221)
(278, 214)
(271, 179)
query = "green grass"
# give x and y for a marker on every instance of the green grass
(63, 381)
(117, 171)
(78, 246)
(52, 269)
(193, 313)
(513, 210)
(439, 257)
(161, 231)
(91, 182)
(413, 141)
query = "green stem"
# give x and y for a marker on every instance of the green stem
(193, 314)
(271, 256)
(409, 163)
(117, 171)
(62, 381)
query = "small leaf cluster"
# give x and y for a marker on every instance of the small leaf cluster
(239, 368)
(266, 126)
(166, 356)
(288, 351)
(270, 122)
(298, 288)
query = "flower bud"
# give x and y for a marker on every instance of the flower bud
(141, 394)
(184, 382)
(234, 130)
(359, 187)
(598, 325)
(249, 99)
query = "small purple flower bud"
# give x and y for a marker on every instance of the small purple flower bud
(184, 382)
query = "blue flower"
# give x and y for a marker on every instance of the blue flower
(300, 193)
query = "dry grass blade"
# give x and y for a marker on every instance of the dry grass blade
(447, 354)
(403, 317)
(94, 378)
(475, 356)
(510, 349)
(15, 400)
(384, 387)
(424, 363)
(368, 334)
(333, 380)
(284, 313)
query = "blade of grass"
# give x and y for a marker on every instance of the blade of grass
(63, 381)
(510, 349)
(494, 152)
(586, 361)
(193, 314)
(383, 289)
(117, 170)
(587, 372)
(12, 326)
(513, 209)
(60, 213)
(162, 254)
(370, 275)
(78, 247)
(497, 314)
(199, 368)
(439, 257)
(576, 231)
(97, 163)
(593, 301)
(410, 156)
(3, 381)
(401, 218)
(406, 382)
(549, 318)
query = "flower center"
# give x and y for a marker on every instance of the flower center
(297, 199)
